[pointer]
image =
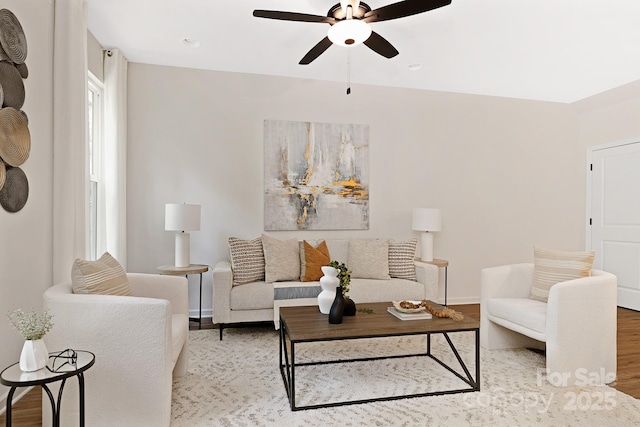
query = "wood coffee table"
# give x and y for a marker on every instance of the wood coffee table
(306, 324)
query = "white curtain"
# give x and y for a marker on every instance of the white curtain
(115, 153)
(70, 172)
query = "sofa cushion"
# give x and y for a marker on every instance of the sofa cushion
(374, 290)
(247, 260)
(311, 259)
(525, 312)
(281, 258)
(339, 250)
(553, 266)
(252, 296)
(103, 276)
(369, 258)
(401, 256)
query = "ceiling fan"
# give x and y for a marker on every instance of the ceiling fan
(350, 21)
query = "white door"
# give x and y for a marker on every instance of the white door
(615, 217)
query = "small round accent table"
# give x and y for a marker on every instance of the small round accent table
(172, 270)
(14, 377)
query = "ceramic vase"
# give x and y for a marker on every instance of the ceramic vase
(349, 307)
(328, 283)
(34, 355)
(337, 308)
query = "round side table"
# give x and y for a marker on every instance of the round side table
(14, 377)
(185, 271)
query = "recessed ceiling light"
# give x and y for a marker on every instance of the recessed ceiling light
(190, 42)
(415, 67)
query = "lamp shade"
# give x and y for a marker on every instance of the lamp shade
(181, 217)
(427, 219)
(350, 32)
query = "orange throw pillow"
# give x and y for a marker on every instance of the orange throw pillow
(314, 259)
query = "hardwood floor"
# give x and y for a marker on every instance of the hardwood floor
(26, 412)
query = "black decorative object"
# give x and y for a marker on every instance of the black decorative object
(337, 308)
(349, 307)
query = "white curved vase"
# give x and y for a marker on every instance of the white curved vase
(34, 355)
(329, 282)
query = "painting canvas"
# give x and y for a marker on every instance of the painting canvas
(316, 176)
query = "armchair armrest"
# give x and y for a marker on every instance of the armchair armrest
(170, 288)
(222, 284)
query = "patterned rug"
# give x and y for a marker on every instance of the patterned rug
(236, 382)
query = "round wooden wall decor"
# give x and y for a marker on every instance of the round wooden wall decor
(15, 192)
(15, 138)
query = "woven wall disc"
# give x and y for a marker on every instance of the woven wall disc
(3, 173)
(12, 38)
(1, 95)
(15, 139)
(23, 70)
(12, 85)
(15, 192)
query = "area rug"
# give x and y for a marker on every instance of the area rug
(236, 382)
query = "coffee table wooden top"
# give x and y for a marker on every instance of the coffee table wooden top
(306, 323)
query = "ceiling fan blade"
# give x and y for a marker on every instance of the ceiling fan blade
(293, 16)
(402, 9)
(380, 45)
(316, 51)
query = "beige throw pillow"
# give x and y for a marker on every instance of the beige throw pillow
(247, 260)
(552, 266)
(401, 256)
(104, 276)
(282, 259)
(369, 258)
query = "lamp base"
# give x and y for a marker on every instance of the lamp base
(426, 246)
(183, 241)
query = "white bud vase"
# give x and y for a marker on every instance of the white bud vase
(34, 355)
(329, 282)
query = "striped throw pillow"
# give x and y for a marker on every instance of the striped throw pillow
(552, 266)
(104, 276)
(247, 260)
(401, 256)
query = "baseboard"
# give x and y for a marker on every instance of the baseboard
(467, 300)
(208, 313)
(16, 397)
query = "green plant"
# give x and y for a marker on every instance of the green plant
(344, 275)
(30, 325)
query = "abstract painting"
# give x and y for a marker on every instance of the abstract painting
(316, 176)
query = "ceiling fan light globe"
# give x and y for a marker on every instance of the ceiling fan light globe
(350, 32)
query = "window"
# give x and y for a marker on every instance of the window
(95, 113)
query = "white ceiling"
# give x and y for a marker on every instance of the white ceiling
(551, 50)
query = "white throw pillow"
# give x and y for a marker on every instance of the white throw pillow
(552, 266)
(104, 276)
(369, 258)
(282, 259)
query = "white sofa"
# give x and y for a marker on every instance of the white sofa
(260, 301)
(140, 343)
(577, 325)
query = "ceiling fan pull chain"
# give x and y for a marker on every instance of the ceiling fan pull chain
(348, 71)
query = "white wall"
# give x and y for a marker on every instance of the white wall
(506, 173)
(26, 236)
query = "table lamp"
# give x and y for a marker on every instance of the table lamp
(426, 220)
(182, 218)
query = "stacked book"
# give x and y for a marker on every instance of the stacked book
(418, 315)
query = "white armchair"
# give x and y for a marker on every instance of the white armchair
(577, 324)
(140, 343)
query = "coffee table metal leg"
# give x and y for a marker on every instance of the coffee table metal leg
(293, 377)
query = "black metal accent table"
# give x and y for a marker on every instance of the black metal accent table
(306, 324)
(14, 377)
